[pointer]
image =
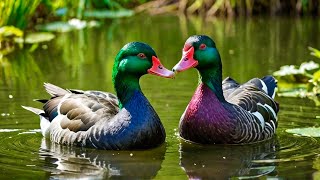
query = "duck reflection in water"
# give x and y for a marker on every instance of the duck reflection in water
(229, 161)
(75, 162)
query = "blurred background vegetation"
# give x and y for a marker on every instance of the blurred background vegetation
(20, 17)
(26, 13)
(28, 23)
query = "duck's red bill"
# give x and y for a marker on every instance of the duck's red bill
(187, 61)
(159, 70)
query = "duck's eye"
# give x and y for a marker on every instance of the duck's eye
(141, 55)
(202, 46)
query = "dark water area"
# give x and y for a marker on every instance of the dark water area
(84, 59)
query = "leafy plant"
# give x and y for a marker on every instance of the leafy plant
(302, 81)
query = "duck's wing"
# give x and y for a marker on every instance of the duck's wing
(254, 98)
(228, 86)
(79, 110)
(268, 84)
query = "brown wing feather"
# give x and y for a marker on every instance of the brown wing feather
(82, 109)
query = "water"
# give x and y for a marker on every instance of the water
(84, 59)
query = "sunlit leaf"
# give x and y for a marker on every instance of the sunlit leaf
(38, 37)
(10, 31)
(315, 52)
(310, 131)
(316, 76)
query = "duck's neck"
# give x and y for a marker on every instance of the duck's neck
(212, 77)
(125, 87)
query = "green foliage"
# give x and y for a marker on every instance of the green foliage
(314, 52)
(17, 12)
(10, 37)
(303, 81)
(8, 34)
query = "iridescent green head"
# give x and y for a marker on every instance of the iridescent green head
(134, 60)
(137, 59)
(200, 52)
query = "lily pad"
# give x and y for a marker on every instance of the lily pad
(108, 13)
(38, 37)
(58, 26)
(72, 24)
(310, 131)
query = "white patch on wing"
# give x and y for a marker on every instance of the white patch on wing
(264, 87)
(274, 93)
(274, 127)
(268, 124)
(44, 125)
(260, 117)
(60, 103)
(271, 109)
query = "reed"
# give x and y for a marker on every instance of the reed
(17, 12)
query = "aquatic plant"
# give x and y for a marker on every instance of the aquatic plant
(7, 36)
(302, 81)
(12, 37)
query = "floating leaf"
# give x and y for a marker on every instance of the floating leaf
(310, 131)
(108, 13)
(38, 37)
(61, 11)
(58, 26)
(72, 24)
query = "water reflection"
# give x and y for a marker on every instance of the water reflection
(228, 161)
(73, 162)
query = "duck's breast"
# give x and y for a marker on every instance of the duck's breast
(206, 119)
(136, 126)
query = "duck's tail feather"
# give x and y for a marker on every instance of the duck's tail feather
(41, 100)
(54, 90)
(34, 110)
(271, 84)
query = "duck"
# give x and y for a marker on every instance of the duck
(225, 112)
(102, 120)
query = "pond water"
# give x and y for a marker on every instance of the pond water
(83, 60)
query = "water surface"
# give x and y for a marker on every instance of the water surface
(83, 60)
